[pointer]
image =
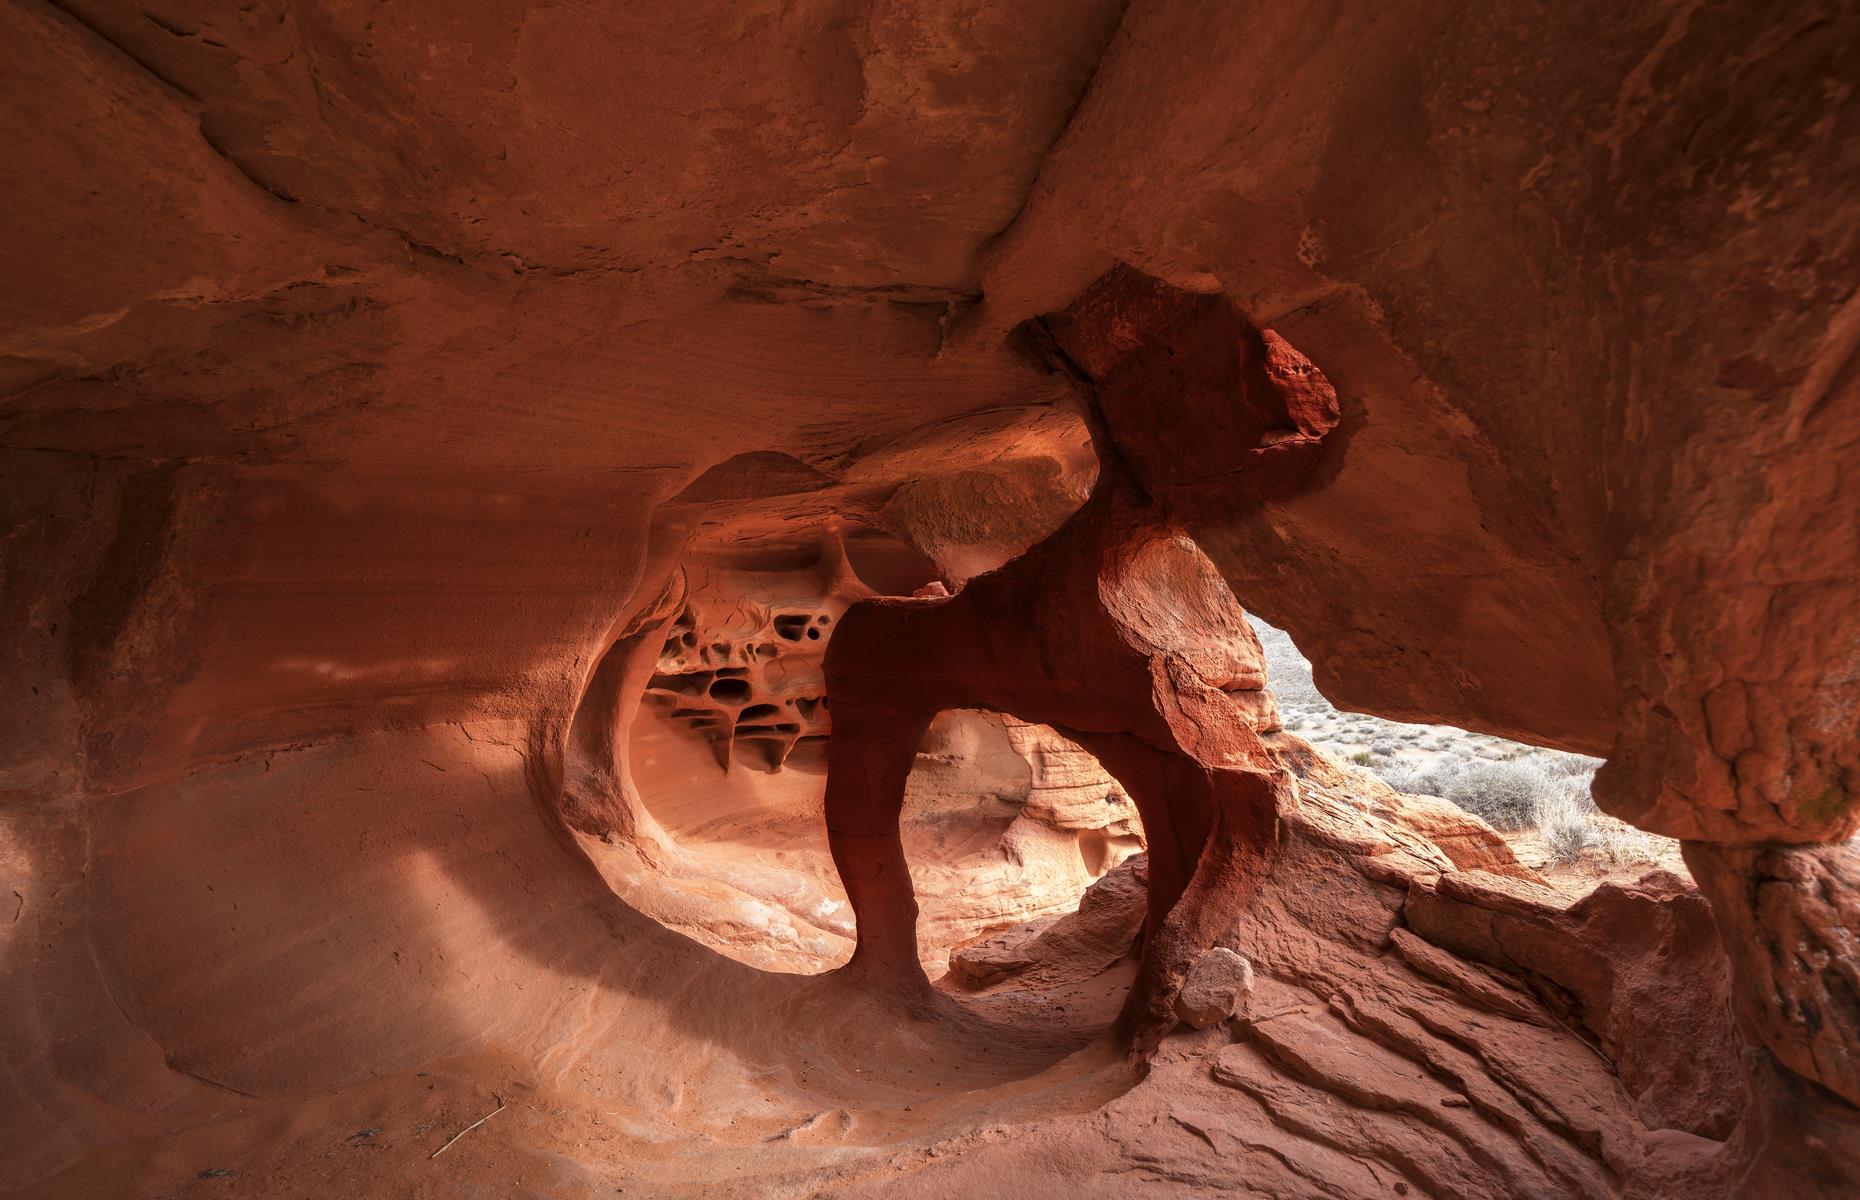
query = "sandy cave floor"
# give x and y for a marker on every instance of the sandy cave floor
(816, 1126)
(718, 1080)
(721, 1080)
(725, 1100)
(999, 1065)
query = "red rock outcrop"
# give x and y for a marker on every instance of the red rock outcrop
(1116, 633)
(1636, 967)
(1465, 841)
(1005, 823)
(1788, 917)
(1137, 341)
(368, 373)
(1624, 514)
(1106, 927)
(1371, 1060)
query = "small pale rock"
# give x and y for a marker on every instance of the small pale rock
(1215, 988)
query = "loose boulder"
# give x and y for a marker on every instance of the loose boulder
(1216, 988)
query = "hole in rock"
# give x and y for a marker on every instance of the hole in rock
(728, 754)
(692, 684)
(1005, 824)
(729, 689)
(1538, 799)
(747, 729)
(1028, 862)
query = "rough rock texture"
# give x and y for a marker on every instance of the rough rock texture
(1215, 988)
(1004, 823)
(1441, 828)
(1636, 968)
(1373, 1062)
(367, 372)
(1592, 328)
(1069, 788)
(740, 663)
(1113, 630)
(1791, 921)
(1102, 930)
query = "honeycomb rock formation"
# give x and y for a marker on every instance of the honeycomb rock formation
(387, 390)
(741, 666)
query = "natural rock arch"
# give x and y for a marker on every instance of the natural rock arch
(1118, 632)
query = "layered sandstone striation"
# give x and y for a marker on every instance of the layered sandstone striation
(386, 392)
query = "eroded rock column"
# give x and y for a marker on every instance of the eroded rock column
(1120, 634)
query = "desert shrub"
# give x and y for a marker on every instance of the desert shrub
(1506, 795)
(1420, 781)
(1569, 765)
(1361, 758)
(1569, 824)
(1566, 820)
(1572, 776)
(1548, 791)
(1627, 845)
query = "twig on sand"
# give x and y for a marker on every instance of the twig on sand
(461, 1133)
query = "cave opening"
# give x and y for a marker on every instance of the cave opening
(1006, 824)
(1029, 864)
(831, 789)
(1538, 799)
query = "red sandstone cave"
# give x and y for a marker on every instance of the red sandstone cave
(925, 598)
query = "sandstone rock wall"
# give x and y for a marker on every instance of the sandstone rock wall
(356, 364)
